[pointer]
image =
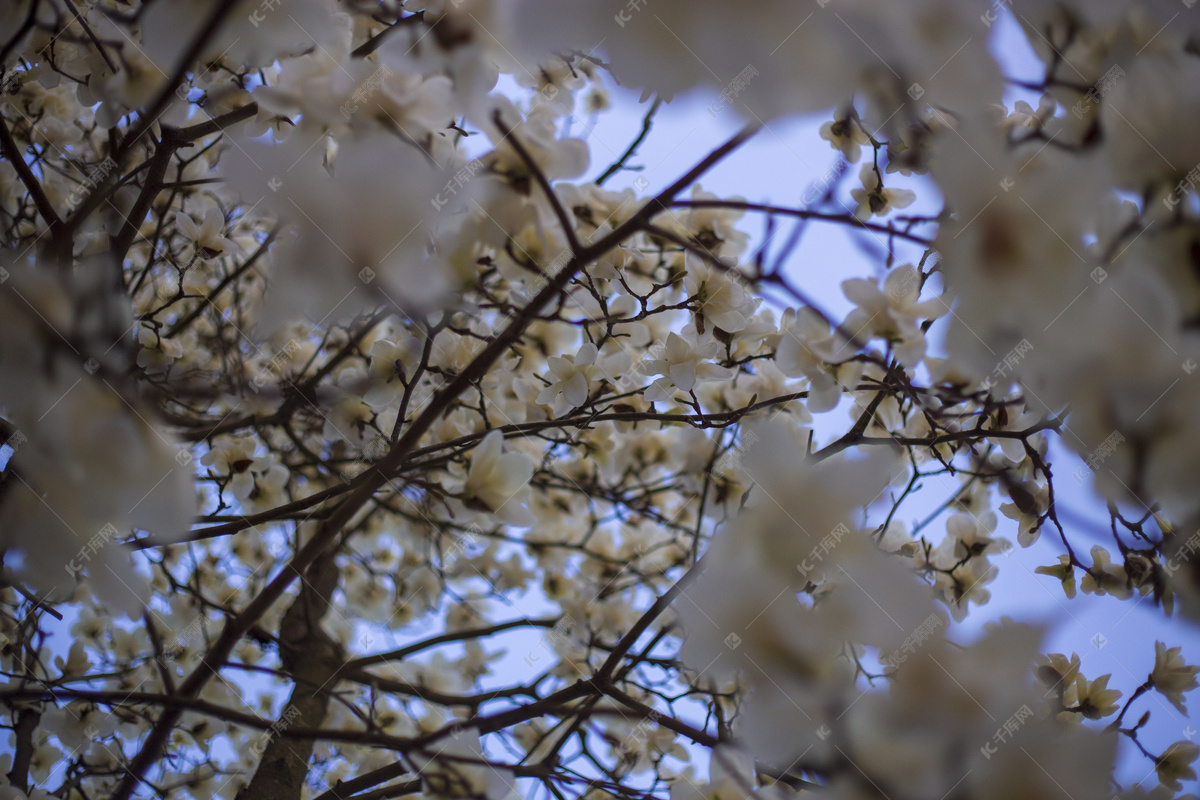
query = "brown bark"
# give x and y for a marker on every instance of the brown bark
(312, 659)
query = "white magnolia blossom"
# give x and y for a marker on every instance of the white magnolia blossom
(1171, 676)
(893, 311)
(719, 298)
(1175, 764)
(683, 364)
(807, 349)
(731, 775)
(571, 377)
(846, 136)
(362, 224)
(208, 237)
(250, 476)
(496, 482)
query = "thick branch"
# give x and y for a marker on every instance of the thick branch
(12, 153)
(312, 658)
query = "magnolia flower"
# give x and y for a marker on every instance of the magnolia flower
(845, 135)
(637, 749)
(893, 311)
(79, 724)
(93, 467)
(496, 482)
(363, 216)
(76, 663)
(254, 34)
(1092, 699)
(157, 352)
(652, 56)
(1105, 577)
(1058, 672)
(57, 133)
(348, 417)
(966, 582)
(594, 207)
(730, 771)
(685, 364)
(718, 298)
(1064, 570)
(794, 532)
(1171, 676)
(270, 480)
(874, 199)
(806, 348)
(234, 459)
(13, 793)
(1025, 116)
(972, 535)
(572, 376)
(390, 362)
(1014, 447)
(538, 132)
(1032, 500)
(712, 227)
(208, 237)
(1175, 764)
(555, 81)
(90, 627)
(1160, 91)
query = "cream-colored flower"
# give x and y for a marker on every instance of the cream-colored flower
(845, 135)
(873, 199)
(684, 364)
(235, 460)
(719, 299)
(1105, 577)
(1171, 675)
(157, 353)
(1175, 764)
(208, 236)
(1092, 699)
(496, 480)
(1024, 115)
(571, 377)
(1035, 499)
(1064, 571)
(892, 311)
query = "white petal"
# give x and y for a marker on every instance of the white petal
(242, 485)
(577, 390)
(561, 367)
(488, 450)
(677, 348)
(684, 375)
(517, 515)
(713, 372)
(900, 198)
(515, 470)
(903, 286)
(587, 354)
(862, 291)
(659, 390)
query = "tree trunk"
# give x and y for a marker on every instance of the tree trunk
(312, 659)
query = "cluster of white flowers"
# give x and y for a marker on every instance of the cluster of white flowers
(570, 476)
